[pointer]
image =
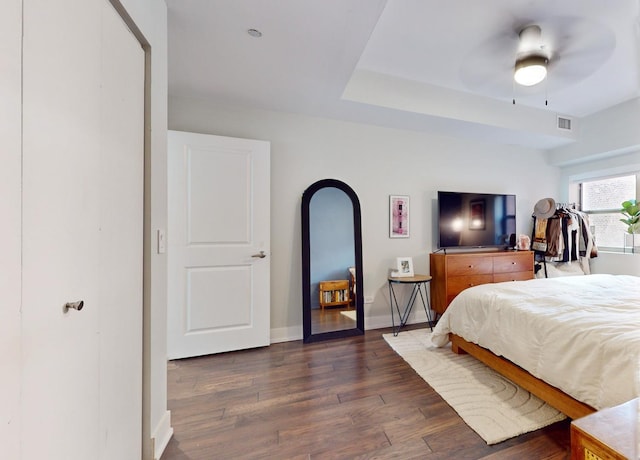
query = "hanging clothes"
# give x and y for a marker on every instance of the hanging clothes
(563, 235)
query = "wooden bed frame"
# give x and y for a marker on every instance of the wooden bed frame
(569, 406)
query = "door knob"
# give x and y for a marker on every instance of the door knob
(262, 255)
(73, 306)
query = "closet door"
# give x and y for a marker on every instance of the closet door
(83, 126)
(10, 230)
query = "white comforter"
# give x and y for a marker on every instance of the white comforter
(580, 334)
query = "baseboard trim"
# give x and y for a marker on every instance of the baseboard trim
(162, 435)
(289, 334)
(286, 334)
(382, 321)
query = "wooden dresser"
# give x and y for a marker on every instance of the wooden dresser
(609, 434)
(453, 273)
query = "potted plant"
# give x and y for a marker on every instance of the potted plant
(631, 211)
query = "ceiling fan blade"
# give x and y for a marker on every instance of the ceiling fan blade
(581, 52)
(566, 35)
(488, 66)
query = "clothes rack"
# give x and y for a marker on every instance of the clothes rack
(563, 237)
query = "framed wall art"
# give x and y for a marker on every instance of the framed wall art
(398, 216)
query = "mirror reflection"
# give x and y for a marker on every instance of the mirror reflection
(332, 257)
(332, 262)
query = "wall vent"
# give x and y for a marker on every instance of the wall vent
(564, 123)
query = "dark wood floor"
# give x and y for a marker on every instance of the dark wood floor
(330, 319)
(344, 398)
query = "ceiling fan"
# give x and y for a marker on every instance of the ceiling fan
(560, 50)
(532, 58)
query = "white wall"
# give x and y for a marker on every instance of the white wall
(605, 134)
(616, 264)
(375, 162)
(10, 230)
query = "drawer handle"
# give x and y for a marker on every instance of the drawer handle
(470, 266)
(513, 263)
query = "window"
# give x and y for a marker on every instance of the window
(602, 200)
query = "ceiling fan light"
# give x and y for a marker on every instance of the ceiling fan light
(531, 70)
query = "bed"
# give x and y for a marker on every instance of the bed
(572, 341)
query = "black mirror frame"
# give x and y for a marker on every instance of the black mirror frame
(308, 335)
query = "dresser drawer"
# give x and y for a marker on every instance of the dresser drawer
(457, 284)
(513, 263)
(453, 273)
(469, 265)
(516, 276)
(333, 285)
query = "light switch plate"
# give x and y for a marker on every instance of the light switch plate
(162, 243)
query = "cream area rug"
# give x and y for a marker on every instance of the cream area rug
(491, 405)
(351, 314)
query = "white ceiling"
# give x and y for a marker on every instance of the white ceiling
(432, 65)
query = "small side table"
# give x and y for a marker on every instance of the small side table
(419, 287)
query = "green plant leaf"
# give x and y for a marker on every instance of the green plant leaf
(631, 210)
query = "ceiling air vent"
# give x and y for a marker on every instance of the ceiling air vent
(564, 123)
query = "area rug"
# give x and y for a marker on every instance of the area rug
(351, 314)
(491, 405)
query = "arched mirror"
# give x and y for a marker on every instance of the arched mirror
(331, 262)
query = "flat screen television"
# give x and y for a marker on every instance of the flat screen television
(475, 220)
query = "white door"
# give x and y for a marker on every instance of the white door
(218, 240)
(83, 160)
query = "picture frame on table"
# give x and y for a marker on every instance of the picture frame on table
(404, 267)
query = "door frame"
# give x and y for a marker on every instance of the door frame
(149, 447)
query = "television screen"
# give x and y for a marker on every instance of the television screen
(475, 220)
